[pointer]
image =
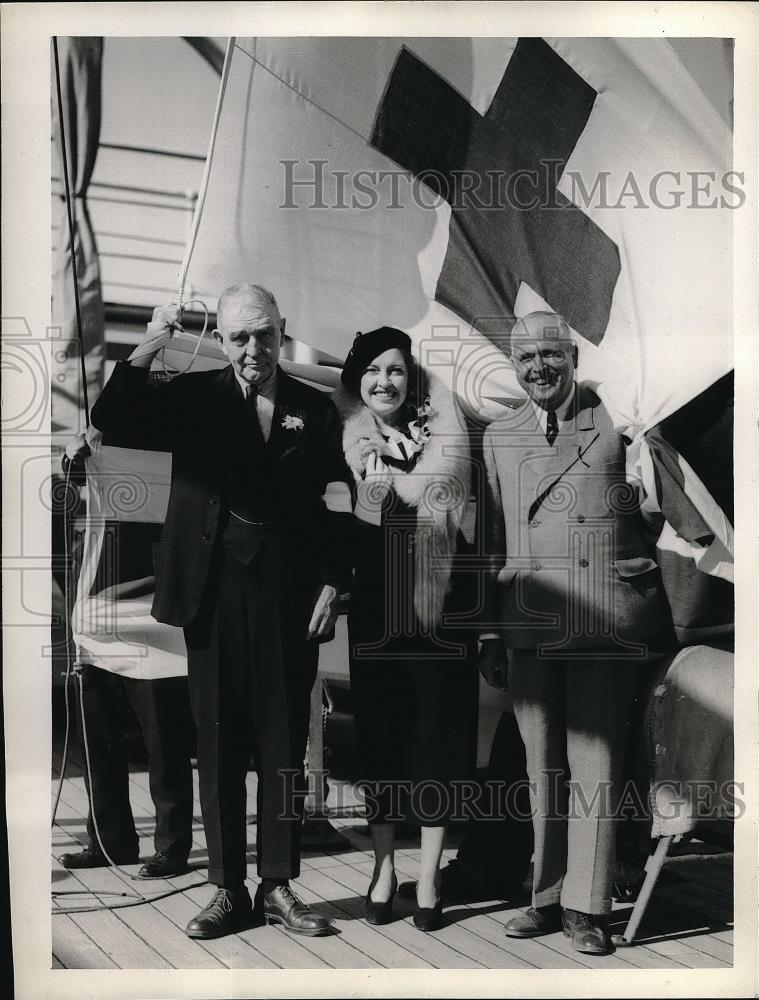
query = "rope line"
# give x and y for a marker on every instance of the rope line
(162, 354)
(207, 170)
(67, 639)
(70, 216)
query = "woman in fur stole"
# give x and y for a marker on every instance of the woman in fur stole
(413, 673)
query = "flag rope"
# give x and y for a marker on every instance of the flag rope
(200, 204)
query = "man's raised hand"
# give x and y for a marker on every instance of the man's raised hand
(157, 334)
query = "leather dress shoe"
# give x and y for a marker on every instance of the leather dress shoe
(584, 932)
(281, 906)
(93, 857)
(535, 922)
(460, 884)
(163, 865)
(229, 911)
(379, 913)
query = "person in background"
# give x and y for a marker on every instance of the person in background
(250, 566)
(162, 707)
(413, 675)
(576, 599)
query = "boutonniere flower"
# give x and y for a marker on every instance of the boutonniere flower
(292, 423)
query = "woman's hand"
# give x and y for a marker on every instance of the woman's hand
(372, 490)
(493, 662)
(324, 614)
(378, 477)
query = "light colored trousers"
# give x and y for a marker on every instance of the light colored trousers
(575, 718)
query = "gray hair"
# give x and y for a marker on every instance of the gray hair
(245, 289)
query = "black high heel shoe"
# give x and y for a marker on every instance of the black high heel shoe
(429, 918)
(379, 913)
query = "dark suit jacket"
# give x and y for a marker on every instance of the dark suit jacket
(201, 419)
(573, 561)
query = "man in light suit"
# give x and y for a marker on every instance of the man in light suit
(575, 597)
(249, 565)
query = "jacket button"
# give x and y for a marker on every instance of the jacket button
(584, 563)
(536, 565)
(213, 501)
(205, 536)
(581, 518)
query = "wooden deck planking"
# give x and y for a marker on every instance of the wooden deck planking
(476, 948)
(387, 943)
(168, 937)
(219, 952)
(143, 930)
(697, 906)
(125, 948)
(381, 950)
(426, 946)
(703, 899)
(686, 956)
(74, 949)
(536, 952)
(339, 949)
(481, 949)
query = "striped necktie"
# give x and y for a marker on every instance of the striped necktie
(552, 426)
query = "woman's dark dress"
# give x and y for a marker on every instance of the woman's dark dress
(414, 695)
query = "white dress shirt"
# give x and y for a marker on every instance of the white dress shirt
(265, 399)
(561, 411)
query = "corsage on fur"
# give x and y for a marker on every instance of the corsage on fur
(438, 487)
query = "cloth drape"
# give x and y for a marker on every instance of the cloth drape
(80, 61)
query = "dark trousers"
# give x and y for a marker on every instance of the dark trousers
(251, 672)
(162, 708)
(497, 841)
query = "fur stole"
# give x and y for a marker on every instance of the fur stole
(438, 487)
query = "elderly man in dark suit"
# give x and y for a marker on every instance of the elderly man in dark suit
(249, 565)
(576, 599)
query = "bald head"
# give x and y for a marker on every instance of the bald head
(246, 296)
(540, 326)
(544, 358)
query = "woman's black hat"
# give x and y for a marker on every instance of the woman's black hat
(366, 347)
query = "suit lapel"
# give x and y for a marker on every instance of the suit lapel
(281, 439)
(275, 444)
(528, 434)
(574, 440)
(581, 427)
